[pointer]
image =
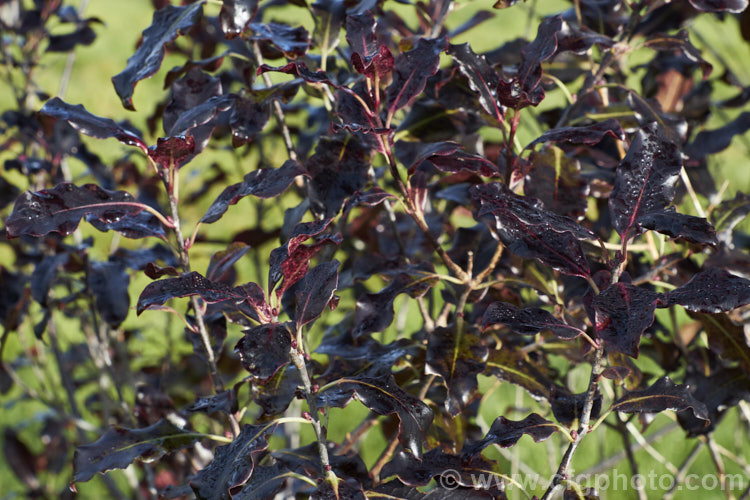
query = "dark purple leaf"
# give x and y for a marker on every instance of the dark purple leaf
(306, 460)
(208, 64)
(567, 407)
(60, 209)
(329, 16)
(194, 90)
(233, 464)
(725, 337)
(663, 395)
(313, 293)
(530, 231)
(165, 26)
(155, 272)
(734, 6)
(108, 282)
(383, 396)
(450, 470)
(719, 391)
(338, 169)
(235, 16)
(223, 402)
(139, 258)
(374, 311)
(172, 151)
(555, 179)
(527, 321)
(709, 142)
(88, 124)
(263, 183)
(623, 312)
(693, 229)
(199, 121)
(361, 35)
(525, 88)
(712, 290)
(13, 298)
(119, 447)
(140, 225)
(370, 198)
(680, 42)
(300, 69)
(411, 71)
(83, 35)
(506, 433)
(458, 359)
(483, 79)
(579, 39)
(275, 394)
(293, 42)
(266, 482)
(158, 292)
(220, 267)
(265, 349)
(645, 181)
(247, 119)
(44, 274)
(589, 134)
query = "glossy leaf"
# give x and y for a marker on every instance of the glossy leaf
(221, 264)
(589, 134)
(506, 433)
(313, 293)
(235, 16)
(680, 42)
(663, 395)
(527, 321)
(233, 464)
(458, 359)
(622, 314)
(483, 79)
(306, 460)
(675, 225)
(248, 118)
(119, 447)
(525, 88)
(708, 142)
(172, 151)
(223, 402)
(530, 231)
(263, 183)
(265, 482)
(712, 290)
(383, 396)
(368, 58)
(265, 349)
(728, 214)
(141, 225)
(568, 408)
(411, 71)
(165, 26)
(719, 391)
(61, 208)
(415, 472)
(89, 124)
(517, 368)
(645, 182)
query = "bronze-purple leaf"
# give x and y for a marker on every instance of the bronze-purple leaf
(119, 447)
(506, 433)
(165, 26)
(140, 225)
(300, 69)
(568, 407)
(172, 151)
(265, 349)
(313, 293)
(61, 208)
(89, 124)
(411, 71)
(368, 58)
(527, 229)
(663, 395)
(712, 290)
(527, 321)
(458, 359)
(623, 312)
(588, 134)
(233, 464)
(483, 79)
(223, 402)
(645, 181)
(263, 183)
(555, 179)
(247, 119)
(680, 42)
(383, 396)
(220, 267)
(235, 15)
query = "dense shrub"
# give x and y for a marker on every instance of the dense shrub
(432, 251)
